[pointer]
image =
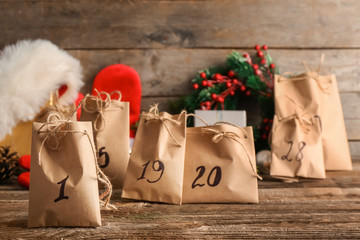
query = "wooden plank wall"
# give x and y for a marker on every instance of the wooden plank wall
(167, 42)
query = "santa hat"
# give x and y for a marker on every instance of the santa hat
(126, 80)
(29, 72)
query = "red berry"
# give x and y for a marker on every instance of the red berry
(271, 121)
(248, 93)
(235, 81)
(195, 86)
(265, 47)
(228, 84)
(255, 66)
(257, 47)
(231, 74)
(263, 61)
(203, 75)
(220, 99)
(213, 96)
(207, 103)
(266, 120)
(267, 128)
(260, 54)
(204, 83)
(218, 76)
(232, 93)
(264, 136)
(245, 55)
(268, 95)
(272, 65)
(209, 84)
(257, 72)
(243, 88)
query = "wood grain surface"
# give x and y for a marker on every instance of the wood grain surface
(310, 209)
(190, 24)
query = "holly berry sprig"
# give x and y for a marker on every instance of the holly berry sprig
(248, 77)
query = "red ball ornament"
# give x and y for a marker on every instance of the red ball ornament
(220, 99)
(265, 47)
(263, 61)
(213, 96)
(235, 81)
(195, 86)
(245, 55)
(243, 88)
(266, 120)
(248, 93)
(218, 76)
(257, 47)
(260, 54)
(203, 75)
(231, 74)
(255, 66)
(228, 84)
(272, 65)
(232, 93)
(204, 83)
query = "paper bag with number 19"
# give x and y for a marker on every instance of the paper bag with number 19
(63, 181)
(220, 165)
(156, 166)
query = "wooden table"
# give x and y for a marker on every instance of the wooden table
(320, 209)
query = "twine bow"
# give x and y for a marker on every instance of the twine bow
(313, 74)
(154, 114)
(55, 131)
(219, 135)
(301, 115)
(99, 108)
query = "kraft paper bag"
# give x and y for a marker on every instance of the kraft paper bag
(156, 166)
(296, 144)
(323, 93)
(110, 120)
(220, 165)
(63, 180)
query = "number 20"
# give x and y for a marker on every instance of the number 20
(201, 170)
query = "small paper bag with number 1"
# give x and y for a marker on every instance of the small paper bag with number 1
(63, 181)
(156, 166)
(220, 165)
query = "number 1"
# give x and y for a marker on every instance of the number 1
(62, 190)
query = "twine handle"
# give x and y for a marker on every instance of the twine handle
(198, 117)
(154, 114)
(219, 135)
(313, 73)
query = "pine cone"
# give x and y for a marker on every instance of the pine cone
(8, 163)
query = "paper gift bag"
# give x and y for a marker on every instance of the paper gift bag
(156, 166)
(220, 165)
(110, 120)
(322, 92)
(57, 111)
(63, 180)
(296, 144)
(212, 116)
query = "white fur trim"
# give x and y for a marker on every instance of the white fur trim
(29, 72)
